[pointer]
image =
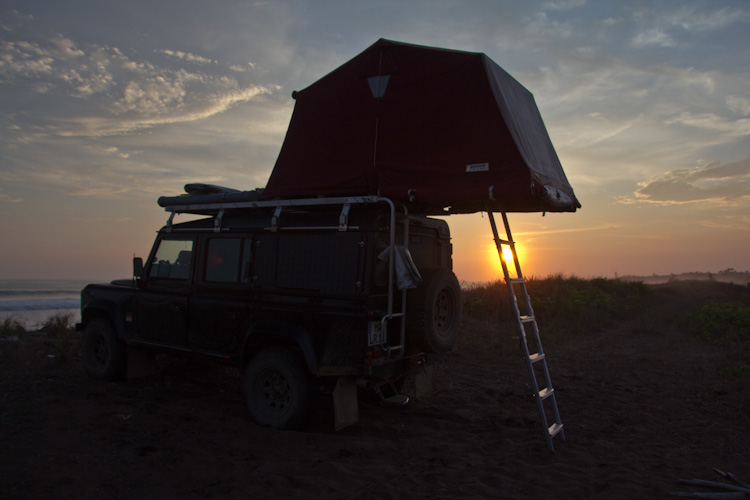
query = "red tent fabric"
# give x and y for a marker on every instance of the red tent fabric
(445, 131)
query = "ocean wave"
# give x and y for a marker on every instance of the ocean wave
(39, 304)
(39, 293)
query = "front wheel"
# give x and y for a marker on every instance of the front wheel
(277, 389)
(104, 355)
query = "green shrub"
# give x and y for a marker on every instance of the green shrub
(735, 371)
(720, 321)
(562, 304)
(12, 327)
(574, 304)
(58, 325)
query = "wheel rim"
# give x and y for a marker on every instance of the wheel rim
(444, 313)
(99, 350)
(273, 389)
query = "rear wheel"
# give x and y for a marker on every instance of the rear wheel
(104, 355)
(277, 389)
(434, 311)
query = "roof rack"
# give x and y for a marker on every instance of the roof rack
(217, 209)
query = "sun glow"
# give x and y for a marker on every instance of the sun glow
(494, 262)
(508, 256)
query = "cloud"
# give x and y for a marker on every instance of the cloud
(151, 104)
(242, 69)
(56, 63)
(713, 122)
(653, 37)
(564, 4)
(186, 56)
(691, 19)
(739, 105)
(545, 231)
(679, 27)
(730, 222)
(97, 90)
(6, 198)
(727, 184)
(13, 19)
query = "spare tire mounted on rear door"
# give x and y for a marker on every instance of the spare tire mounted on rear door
(434, 311)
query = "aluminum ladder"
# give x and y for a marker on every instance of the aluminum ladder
(535, 362)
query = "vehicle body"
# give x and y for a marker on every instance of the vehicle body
(298, 294)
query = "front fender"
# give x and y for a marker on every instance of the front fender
(97, 309)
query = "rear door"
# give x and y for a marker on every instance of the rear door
(163, 304)
(220, 308)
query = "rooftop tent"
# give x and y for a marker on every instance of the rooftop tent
(444, 130)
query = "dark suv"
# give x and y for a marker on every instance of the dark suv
(300, 294)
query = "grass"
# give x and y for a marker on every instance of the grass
(12, 328)
(55, 339)
(567, 308)
(58, 325)
(728, 324)
(564, 305)
(724, 322)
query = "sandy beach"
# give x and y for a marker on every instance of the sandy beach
(644, 405)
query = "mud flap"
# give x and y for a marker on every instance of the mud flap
(345, 404)
(141, 363)
(424, 382)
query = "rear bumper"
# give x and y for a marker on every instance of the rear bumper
(380, 370)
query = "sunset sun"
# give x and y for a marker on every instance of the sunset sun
(508, 256)
(494, 261)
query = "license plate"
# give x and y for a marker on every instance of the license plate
(376, 332)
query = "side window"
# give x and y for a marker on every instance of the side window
(228, 260)
(172, 259)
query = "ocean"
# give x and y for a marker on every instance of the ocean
(32, 302)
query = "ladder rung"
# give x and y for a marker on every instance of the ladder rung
(545, 393)
(555, 429)
(517, 280)
(527, 319)
(536, 357)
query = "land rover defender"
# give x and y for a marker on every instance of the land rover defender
(300, 294)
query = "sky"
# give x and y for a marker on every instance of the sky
(107, 105)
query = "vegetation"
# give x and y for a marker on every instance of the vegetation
(726, 322)
(12, 328)
(564, 305)
(58, 325)
(568, 308)
(55, 340)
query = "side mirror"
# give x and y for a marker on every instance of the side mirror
(137, 267)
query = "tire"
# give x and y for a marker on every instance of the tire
(104, 355)
(277, 389)
(434, 312)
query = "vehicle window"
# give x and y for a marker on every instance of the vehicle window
(246, 259)
(228, 260)
(172, 259)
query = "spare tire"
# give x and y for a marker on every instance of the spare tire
(433, 312)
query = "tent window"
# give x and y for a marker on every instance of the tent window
(378, 85)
